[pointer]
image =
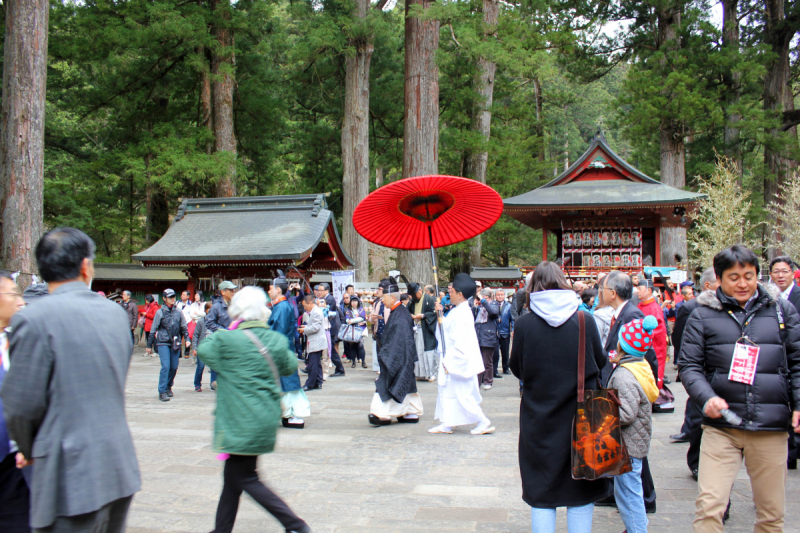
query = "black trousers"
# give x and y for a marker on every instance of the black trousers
(111, 518)
(355, 351)
(14, 497)
(240, 475)
(692, 417)
(648, 486)
(314, 363)
(502, 348)
(335, 359)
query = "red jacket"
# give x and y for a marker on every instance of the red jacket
(150, 314)
(652, 308)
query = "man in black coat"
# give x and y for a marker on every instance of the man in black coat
(617, 290)
(692, 416)
(781, 274)
(743, 322)
(396, 386)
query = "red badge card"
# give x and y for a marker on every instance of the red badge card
(743, 364)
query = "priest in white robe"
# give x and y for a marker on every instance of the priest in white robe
(459, 399)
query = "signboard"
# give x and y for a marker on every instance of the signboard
(340, 280)
(677, 276)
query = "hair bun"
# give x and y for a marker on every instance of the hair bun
(649, 323)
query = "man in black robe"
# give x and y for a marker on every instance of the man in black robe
(396, 388)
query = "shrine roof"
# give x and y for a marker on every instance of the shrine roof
(496, 273)
(600, 178)
(249, 230)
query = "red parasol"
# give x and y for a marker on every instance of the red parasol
(409, 213)
(427, 212)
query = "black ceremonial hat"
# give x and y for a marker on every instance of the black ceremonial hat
(281, 282)
(389, 285)
(464, 284)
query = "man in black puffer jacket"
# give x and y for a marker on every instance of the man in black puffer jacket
(742, 311)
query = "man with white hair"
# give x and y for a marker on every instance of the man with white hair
(396, 386)
(132, 310)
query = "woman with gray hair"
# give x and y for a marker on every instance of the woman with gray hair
(249, 359)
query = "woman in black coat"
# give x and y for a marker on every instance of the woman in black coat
(545, 357)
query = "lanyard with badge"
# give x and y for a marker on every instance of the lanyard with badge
(745, 354)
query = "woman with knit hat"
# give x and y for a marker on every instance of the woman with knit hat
(636, 386)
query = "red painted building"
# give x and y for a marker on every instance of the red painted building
(603, 213)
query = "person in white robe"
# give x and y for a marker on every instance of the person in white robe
(460, 362)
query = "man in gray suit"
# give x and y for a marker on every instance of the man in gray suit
(63, 396)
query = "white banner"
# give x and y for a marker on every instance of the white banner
(677, 276)
(340, 280)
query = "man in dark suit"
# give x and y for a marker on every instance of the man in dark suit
(692, 416)
(85, 471)
(782, 274)
(617, 290)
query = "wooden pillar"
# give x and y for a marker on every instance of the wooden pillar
(657, 258)
(544, 240)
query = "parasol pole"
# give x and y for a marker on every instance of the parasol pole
(436, 284)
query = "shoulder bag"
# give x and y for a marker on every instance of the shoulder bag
(264, 351)
(598, 449)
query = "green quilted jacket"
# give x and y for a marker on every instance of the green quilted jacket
(248, 395)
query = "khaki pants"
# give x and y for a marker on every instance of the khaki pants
(721, 452)
(326, 363)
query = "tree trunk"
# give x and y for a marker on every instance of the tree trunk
(539, 128)
(206, 117)
(421, 124)
(355, 144)
(478, 162)
(22, 134)
(673, 149)
(378, 177)
(730, 43)
(777, 99)
(223, 68)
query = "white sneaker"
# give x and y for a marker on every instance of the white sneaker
(487, 387)
(441, 428)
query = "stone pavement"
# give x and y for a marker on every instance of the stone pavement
(342, 475)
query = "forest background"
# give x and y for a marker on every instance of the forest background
(152, 101)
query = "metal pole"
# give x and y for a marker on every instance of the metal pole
(436, 284)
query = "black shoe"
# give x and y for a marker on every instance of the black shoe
(286, 424)
(658, 409)
(694, 474)
(497, 376)
(727, 513)
(305, 529)
(667, 381)
(608, 501)
(163, 397)
(404, 420)
(506, 372)
(304, 371)
(363, 364)
(678, 378)
(650, 508)
(375, 421)
(353, 365)
(337, 373)
(791, 464)
(169, 393)
(307, 388)
(680, 437)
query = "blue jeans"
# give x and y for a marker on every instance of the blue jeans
(198, 373)
(579, 519)
(169, 367)
(629, 495)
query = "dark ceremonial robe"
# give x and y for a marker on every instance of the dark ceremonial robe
(283, 321)
(397, 356)
(428, 324)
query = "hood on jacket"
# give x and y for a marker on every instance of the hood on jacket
(555, 306)
(710, 298)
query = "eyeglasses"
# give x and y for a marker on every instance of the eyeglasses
(782, 272)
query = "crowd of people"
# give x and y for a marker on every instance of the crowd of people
(735, 341)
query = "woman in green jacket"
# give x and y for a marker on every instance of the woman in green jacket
(248, 409)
